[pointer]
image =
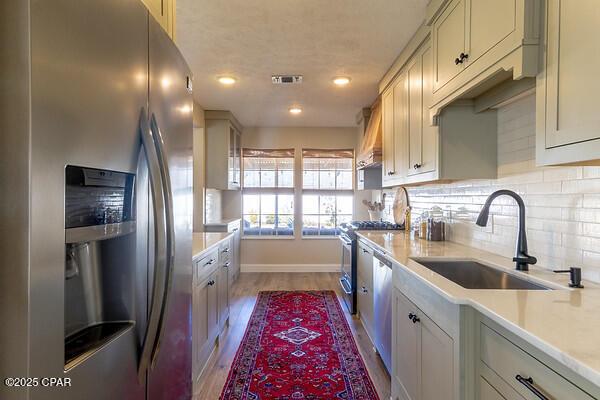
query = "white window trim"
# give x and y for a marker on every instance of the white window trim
(269, 191)
(323, 192)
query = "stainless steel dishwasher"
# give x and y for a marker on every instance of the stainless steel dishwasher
(382, 288)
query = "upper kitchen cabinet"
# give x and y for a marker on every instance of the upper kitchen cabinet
(164, 12)
(461, 146)
(568, 122)
(223, 150)
(478, 43)
(395, 131)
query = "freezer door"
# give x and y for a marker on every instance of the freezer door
(89, 82)
(170, 111)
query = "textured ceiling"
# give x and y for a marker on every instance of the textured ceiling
(319, 39)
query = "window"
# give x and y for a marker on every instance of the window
(268, 192)
(327, 184)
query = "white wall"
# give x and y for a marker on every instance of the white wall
(563, 203)
(296, 253)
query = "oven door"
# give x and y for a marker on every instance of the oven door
(347, 274)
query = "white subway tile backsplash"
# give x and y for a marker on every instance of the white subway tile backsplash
(563, 203)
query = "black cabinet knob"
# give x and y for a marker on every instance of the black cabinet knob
(417, 166)
(461, 58)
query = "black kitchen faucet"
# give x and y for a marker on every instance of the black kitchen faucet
(521, 258)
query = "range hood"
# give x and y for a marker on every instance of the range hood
(369, 153)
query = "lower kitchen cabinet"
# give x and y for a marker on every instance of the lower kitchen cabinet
(365, 288)
(210, 301)
(234, 272)
(223, 283)
(234, 227)
(423, 355)
(509, 372)
(205, 321)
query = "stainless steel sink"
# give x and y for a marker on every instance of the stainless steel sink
(474, 275)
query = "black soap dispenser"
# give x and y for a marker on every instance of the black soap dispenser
(575, 274)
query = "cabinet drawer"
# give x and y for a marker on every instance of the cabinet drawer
(488, 392)
(522, 372)
(204, 265)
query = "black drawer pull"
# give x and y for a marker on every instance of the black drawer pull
(413, 318)
(226, 250)
(226, 265)
(363, 289)
(209, 262)
(461, 58)
(211, 282)
(528, 383)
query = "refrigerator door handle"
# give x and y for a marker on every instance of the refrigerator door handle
(160, 247)
(170, 230)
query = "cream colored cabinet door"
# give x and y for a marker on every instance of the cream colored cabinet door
(365, 306)
(405, 358)
(568, 118)
(164, 12)
(204, 321)
(415, 115)
(401, 126)
(430, 136)
(199, 326)
(437, 363)
(422, 137)
(234, 159)
(365, 288)
(423, 355)
(223, 294)
(387, 115)
(490, 21)
(449, 36)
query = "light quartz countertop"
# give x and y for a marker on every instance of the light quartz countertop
(202, 241)
(222, 222)
(563, 323)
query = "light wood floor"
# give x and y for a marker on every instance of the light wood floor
(243, 298)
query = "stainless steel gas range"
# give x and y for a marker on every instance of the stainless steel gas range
(348, 270)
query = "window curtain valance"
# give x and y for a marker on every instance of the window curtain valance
(268, 153)
(322, 153)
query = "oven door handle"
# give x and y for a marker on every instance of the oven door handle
(343, 283)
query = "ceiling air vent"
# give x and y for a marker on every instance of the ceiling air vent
(286, 79)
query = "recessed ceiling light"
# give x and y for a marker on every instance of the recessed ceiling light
(295, 110)
(341, 80)
(227, 80)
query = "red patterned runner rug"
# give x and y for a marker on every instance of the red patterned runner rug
(298, 345)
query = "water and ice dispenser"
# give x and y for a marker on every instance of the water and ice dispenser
(100, 248)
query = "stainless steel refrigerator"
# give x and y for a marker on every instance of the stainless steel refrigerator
(95, 202)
